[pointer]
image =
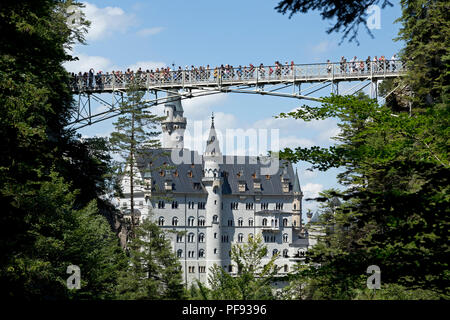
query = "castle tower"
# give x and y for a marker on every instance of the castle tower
(212, 181)
(174, 125)
(297, 202)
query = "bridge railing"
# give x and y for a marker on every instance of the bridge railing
(239, 75)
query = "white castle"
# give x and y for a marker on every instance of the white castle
(214, 203)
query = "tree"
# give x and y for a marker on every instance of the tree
(50, 179)
(154, 271)
(348, 14)
(132, 137)
(252, 281)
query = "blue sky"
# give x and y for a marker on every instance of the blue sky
(158, 33)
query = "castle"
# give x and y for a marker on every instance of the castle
(212, 201)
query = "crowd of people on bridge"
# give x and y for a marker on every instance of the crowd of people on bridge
(99, 80)
(368, 65)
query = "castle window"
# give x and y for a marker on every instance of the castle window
(264, 206)
(250, 222)
(274, 252)
(161, 204)
(234, 205)
(202, 269)
(174, 221)
(191, 254)
(201, 221)
(215, 250)
(242, 186)
(215, 219)
(174, 204)
(215, 235)
(250, 235)
(179, 253)
(264, 222)
(286, 268)
(191, 237)
(161, 221)
(230, 268)
(279, 206)
(240, 222)
(285, 253)
(201, 253)
(179, 238)
(201, 205)
(230, 223)
(285, 237)
(295, 206)
(240, 237)
(285, 222)
(201, 237)
(190, 221)
(249, 206)
(257, 186)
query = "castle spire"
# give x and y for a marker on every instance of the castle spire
(296, 188)
(212, 144)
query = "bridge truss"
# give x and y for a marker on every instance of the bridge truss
(298, 81)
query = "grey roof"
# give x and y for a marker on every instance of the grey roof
(296, 187)
(249, 169)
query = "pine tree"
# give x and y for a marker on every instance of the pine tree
(134, 135)
(154, 271)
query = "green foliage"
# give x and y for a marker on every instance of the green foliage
(133, 137)
(252, 281)
(154, 271)
(50, 180)
(59, 236)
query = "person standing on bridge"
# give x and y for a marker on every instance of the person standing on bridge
(329, 67)
(393, 61)
(91, 78)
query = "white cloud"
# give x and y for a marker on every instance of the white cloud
(85, 62)
(308, 174)
(150, 31)
(106, 21)
(311, 190)
(146, 65)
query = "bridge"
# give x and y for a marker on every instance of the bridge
(262, 80)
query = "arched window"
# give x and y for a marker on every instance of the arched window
(295, 206)
(191, 221)
(240, 237)
(250, 222)
(201, 253)
(201, 237)
(274, 252)
(264, 222)
(240, 222)
(285, 237)
(161, 221)
(285, 253)
(191, 237)
(201, 221)
(215, 219)
(179, 253)
(250, 236)
(174, 221)
(285, 222)
(286, 268)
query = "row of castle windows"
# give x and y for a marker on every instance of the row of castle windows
(225, 238)
(202, 205)
(202, 221)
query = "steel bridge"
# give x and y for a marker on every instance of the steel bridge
(305, 79)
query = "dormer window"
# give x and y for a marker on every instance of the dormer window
(285, 186)
(189, 174)
(168, 185)
(242, 186)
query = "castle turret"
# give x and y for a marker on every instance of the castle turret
(174, 125)
(212, 181)
(297, 202)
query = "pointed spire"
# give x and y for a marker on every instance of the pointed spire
(212, 144)
(296, 187)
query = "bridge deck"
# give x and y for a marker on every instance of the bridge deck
(245, 76)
